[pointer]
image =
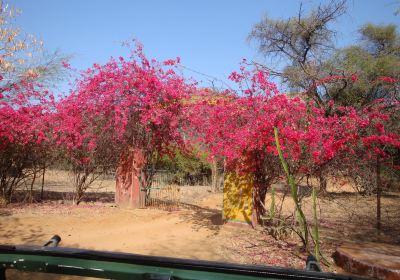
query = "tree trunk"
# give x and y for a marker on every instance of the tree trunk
(322, 183)
(378, 193)
(9, 189)
(214, 175)
(41, 191)
(128, 189)
(31, 189)
(260, 189)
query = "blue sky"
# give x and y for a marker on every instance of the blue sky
(208, 35)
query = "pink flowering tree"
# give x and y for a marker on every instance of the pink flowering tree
(121, 106)
(81, 140)
(239, 126)
(25, 109)
(345, 139)
(372, 137)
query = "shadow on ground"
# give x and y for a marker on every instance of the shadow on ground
(105, 197)
(12, 231)
(203, 217)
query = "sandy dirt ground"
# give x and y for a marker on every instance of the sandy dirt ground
(188, 233)
(196, 230)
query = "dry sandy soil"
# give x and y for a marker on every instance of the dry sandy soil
(195, 230)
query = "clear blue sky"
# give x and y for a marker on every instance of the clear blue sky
(209, 36)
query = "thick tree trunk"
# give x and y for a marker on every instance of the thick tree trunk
(259, 193)
(260, 189)
(128, 189)
(322, 183)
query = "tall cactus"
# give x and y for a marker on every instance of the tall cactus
(272, 208)
(293, 191)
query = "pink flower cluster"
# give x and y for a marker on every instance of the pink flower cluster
(143, 103)
(239, 125)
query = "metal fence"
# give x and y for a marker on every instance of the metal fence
(165, 190)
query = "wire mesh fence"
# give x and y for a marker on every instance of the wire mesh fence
(163, 190)
(166, 190)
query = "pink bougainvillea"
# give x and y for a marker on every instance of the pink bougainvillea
(234, 124)
(25, 110)
(134, 102)
(146, 105)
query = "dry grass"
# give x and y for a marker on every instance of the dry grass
(61, 180)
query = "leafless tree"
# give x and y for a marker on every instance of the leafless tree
(301, 42)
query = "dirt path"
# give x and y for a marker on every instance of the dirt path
(188, 233)
(195, 231)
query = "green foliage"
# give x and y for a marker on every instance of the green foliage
(182, 163)
(293, 189)
(380, 38)
(276, 224)
(301, 42)
(304, 46)
(377, 55)
(272, 208)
